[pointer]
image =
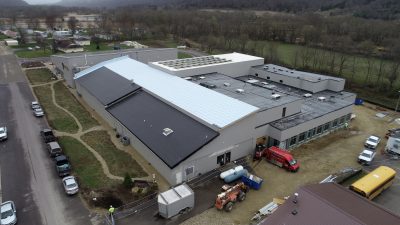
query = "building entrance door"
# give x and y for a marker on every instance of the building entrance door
(224, 158)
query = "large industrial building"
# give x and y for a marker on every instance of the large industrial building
(189, 116)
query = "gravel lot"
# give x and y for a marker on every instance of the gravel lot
(318, 159)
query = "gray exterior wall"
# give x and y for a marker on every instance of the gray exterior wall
(272, 114)
(288, 133)
(84, 61)
(313, 87)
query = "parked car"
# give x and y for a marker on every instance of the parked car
(372, 142)
(8, 213)
(54, 149)
(35, 105)
(3, 133)
(366, 157)
(47, 135)
(38, 112)
(63, 166)
(70, 185)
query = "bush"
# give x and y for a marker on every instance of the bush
(128, 181)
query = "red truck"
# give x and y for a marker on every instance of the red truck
(277, 156)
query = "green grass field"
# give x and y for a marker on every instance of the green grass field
(39, 76)
(84, 164)
(24, 53)
(66, 100)
(58, 119)
(119, 162)
(182, 55)
(2, 37)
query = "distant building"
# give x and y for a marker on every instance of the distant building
(11, 42)
(68, 46)
(59, 34)
(330, 204)
(189, 116)
(83, 41)
(133, 44)
(11, 34)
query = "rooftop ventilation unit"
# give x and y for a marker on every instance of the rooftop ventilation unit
(322, 99)
(307, 95)
(264, 83)
(240, 91)
(252, 81)
(227, 84)
(208, 85)
(276, 96)
(202, 77)
(167, 131)
(270, 86)
(265, 67)
(187, 78)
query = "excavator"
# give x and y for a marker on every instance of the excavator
(230, 195)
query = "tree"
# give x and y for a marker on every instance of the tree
(50, 21)
(72, 24)
(127, 181)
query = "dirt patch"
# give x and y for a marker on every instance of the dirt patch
(32, 64)
(317, 159)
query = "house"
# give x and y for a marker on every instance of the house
(68, 46)
(11, 42)
(133, 44)
(187, 117)
(11, 34)
(82, 41)
(60, 34)
(332, 204)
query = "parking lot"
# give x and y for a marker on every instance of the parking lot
(318, 159)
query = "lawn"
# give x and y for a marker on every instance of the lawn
(25, 53)
(119, 162)
(93, 47)
(84, 164)
(58, 119)
(167, 43)
(183, 55)
(66, 100)
(39, 76)
(2, 37)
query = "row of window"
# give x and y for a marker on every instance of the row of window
(318, 130)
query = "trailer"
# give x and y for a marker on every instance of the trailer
(252, 181)
(175, 201)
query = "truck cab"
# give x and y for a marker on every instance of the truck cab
(281, 158)
(63, 166)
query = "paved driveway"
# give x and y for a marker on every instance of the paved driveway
(28, 175)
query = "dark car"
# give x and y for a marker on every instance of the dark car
(63, 166)
(47, 135)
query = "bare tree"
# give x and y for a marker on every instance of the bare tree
(50, 21)
(72, 24)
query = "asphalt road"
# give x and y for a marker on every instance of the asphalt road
(28, 175)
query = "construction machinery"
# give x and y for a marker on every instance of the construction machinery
(230, 195)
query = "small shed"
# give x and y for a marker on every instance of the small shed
(11, 42)
(175, 200)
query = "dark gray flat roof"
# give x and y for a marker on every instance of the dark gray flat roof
(311, 108)
(253, 93)
(330, 204)
(106, 85)
(146, 117)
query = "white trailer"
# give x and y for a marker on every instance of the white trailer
(176, 200)
(393, 145)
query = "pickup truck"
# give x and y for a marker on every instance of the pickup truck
(372, 142)
(63, 166)
(47, 135)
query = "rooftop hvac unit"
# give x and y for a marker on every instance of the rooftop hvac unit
(322, 99)
(252, 81)
(227, 84)
(202, 78)
(266, 67)
(264, 83)
(307, 95)
(240, 91)
(167, 131)
(276, 96)
(187, 78)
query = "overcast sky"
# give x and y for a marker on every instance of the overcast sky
(41, 1)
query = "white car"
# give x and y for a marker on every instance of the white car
(35, 105)
(366, 157)
(372, 142)
(38, 112)
(70, 185)
(8, 213)
(3, 133)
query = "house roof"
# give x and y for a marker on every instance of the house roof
(146, 117)
(106, 85)
(330, 204)
(67, 44)
(207, 105)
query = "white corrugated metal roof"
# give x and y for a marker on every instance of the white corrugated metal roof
(208, 105)
(183, 190)
(170, 196)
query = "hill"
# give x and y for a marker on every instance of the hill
(11, 3)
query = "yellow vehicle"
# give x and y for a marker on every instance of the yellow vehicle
(372, 184)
